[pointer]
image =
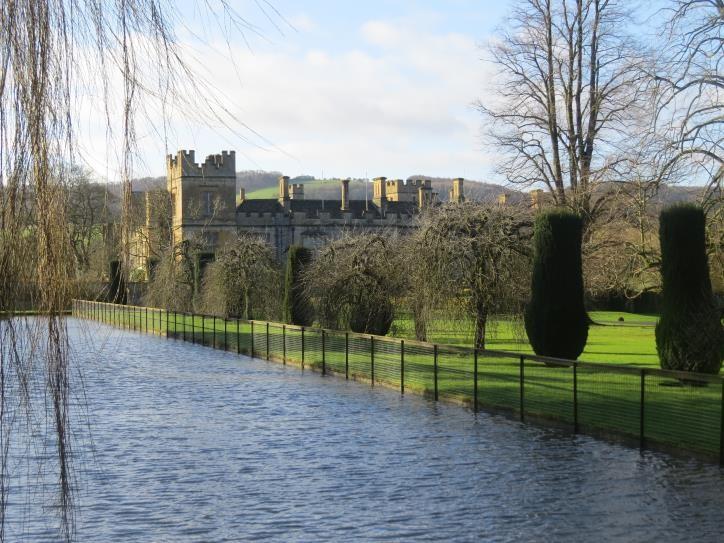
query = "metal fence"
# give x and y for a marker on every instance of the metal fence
(676, 411)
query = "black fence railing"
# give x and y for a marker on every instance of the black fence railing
(677, 411)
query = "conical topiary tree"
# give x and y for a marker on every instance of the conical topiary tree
(297, 309)
(556, 319)
(689, 335)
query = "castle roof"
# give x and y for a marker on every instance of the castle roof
(359, 209)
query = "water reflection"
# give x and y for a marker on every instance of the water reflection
(199, 445)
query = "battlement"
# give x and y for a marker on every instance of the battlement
(184, 165)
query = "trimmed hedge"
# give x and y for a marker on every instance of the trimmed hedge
(689, 334)
(297, 309)
(556, 319)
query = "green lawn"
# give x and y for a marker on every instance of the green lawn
(607, 396)
(629, 343)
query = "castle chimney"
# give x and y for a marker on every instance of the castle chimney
(345, 195)
(421, 197)
(241, 197)
(379, 193)
(457, 194)
(284, 190)
(536, 198)
(503, 199)
(424, 193)
(296, 191)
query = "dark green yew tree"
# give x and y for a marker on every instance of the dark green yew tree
(555, 318)
(297, 309)
(689, 334)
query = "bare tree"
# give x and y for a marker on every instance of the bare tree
(174, 283)
(90, 207)
(570, 79)
(472, 261)
(354, 280)
(244, 281)
(690, 81)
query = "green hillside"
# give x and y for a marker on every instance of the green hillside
(310, 187)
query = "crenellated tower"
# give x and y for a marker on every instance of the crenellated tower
(203, 197)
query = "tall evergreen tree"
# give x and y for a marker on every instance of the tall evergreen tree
(689, 334)
(297, 309)
(555, 319)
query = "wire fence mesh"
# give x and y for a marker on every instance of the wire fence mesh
(678, 411)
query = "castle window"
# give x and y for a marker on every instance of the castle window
(208, 203)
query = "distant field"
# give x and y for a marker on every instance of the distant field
(273, 192)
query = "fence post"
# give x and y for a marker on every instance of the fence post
(575, 397)
(302, 348)
(238, 337)
(402, 366)
(434, 368)
(147, 320)
(372, 360)
(346, 355)
(475, 380)
(252, 338)
(213, 333)
(284, 344)
(522, 388)
(226, 344)
(324, 356)
(167, 323)
(641, 414)
(267, 341)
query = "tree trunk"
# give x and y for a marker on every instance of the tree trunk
(420, 318)
(481, 321)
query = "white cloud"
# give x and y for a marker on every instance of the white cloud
(303, 23)
(399, 108)
(380, 33)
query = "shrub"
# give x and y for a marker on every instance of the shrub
(555, 319)
(371, 315)
(689, 335)
(297, 309)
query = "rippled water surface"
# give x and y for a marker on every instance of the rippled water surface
(191, 444)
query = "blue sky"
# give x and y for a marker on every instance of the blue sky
(353, 89)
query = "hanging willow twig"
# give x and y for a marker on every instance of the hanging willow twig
(55, 56)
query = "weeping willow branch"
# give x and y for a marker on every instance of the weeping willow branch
(55, 57)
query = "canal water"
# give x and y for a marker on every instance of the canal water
(177, 442)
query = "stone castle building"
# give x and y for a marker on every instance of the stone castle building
(204, 205)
